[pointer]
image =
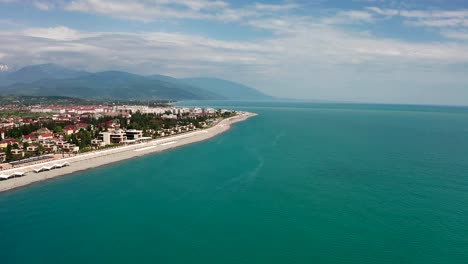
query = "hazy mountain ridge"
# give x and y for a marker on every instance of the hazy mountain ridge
(231, 90)
(51, 79)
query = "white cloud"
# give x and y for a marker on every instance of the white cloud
(55, 33)
(309, 55)
(45, 6)
(350, 17)
(144, 10)
(449, 22)
(461, 35)
(427, 18)
(297, 43)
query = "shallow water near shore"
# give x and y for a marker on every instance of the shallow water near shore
(299, 183)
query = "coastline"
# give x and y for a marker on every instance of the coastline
(102, 157)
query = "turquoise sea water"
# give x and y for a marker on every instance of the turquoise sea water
(300, 183)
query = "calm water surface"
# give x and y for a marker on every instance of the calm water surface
(300, 183)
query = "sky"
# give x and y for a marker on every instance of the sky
(381, 51)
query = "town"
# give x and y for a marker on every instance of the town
(29, 134)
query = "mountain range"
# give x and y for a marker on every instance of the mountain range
(52, 79)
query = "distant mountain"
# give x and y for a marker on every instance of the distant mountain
(208, 95)
(163, 78)
(230, 90)
(33, 73)
(110, 84)
(52, 79)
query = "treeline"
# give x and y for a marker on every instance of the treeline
(145, 122)
(82, 139)
(18, 132)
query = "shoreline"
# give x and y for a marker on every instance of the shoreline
(98, 158)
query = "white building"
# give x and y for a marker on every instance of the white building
(210, 110)
(118, 136)
(105, 138)
(133, 134)
(97, 143)
(171, 116)
(197, 110)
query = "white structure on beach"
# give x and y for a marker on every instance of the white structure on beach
(11, 175)
(48, 168)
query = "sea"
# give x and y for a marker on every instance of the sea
(299, 183)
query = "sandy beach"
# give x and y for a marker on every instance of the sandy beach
(98, 158)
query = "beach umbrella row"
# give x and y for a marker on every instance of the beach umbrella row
(11, 175)
(55, 166)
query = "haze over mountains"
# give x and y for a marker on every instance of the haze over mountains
(52, 79)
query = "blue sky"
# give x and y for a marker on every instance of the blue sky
(358, 50)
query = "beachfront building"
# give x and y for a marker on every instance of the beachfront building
(17, 152)
(118, 136)
(133, 134)
(97, 143)
(31, 149)
(60, 143)
(105, 137)
(50, 147)
(68, 147)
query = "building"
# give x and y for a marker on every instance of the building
(29, 138)
(67, 147)
(49, 147)
(118, 136)
(31, 149)
(97, 143)
(114, 137)
(70, 129)
(170, 116)
(133, 134)
(43, 130)
(2, 157)
(105, 138)
(210, 110)
(60, 143)
(17, 152)
(7, 141)
(45, 136)
(83, 126)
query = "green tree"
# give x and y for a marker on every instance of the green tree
(8, 154)
(58, 129)
(40, 150)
